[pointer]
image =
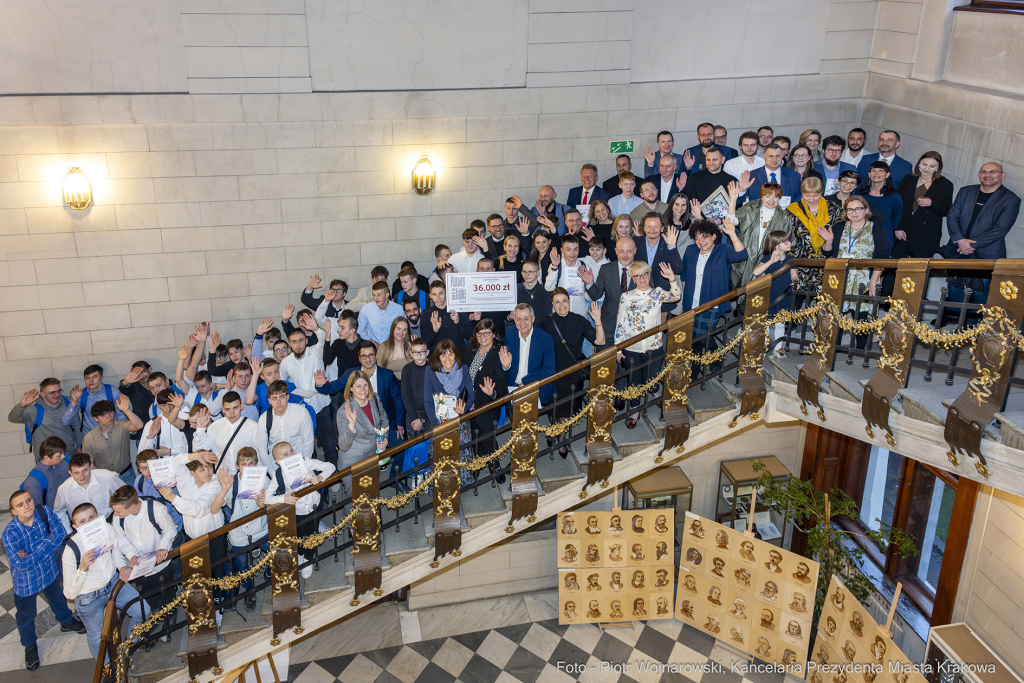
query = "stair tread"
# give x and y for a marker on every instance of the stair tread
(556, 470)
(846, 379)
(408, 538)
(428, 528)
(787, 369)
(487, 503)
(642, 435)
(926, 403)
(505, 490)
(708, 403)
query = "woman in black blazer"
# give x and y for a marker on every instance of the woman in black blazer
(490, 382)
(927, 196)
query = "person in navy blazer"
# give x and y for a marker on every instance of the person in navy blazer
(715, 278)
(987, 237)
(389, 391)
(541, 362)
(888, 143)
(652, 157)
(656, 249)
(786, 177)
(588, 176)
(693, 158)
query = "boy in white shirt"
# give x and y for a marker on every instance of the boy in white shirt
(305, 507)
(596, 256)
(285, 422)
(89, 577)
(227, 436)
(245, 535)
(87, 484)
(160, 434)
(202, 393)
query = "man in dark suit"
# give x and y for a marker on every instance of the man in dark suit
(978, 221)
(771, 172)
(537, 347)
(666, 142)
(588, 191)
(657, 249)
(611, 282)
(387, 387)
(888, 143)
(668, 179)
(622, 164)
(693, 158)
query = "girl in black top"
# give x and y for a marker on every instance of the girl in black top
(490, 382)
(568, 330)
(512, 260)
(541, 247)
(927, 197)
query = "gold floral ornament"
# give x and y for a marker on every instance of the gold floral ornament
(757, 301)
(282, 521)
(365, 481)
(603, 372)
(833, 281)
(680, 338)
(527, 407)
(1008, 290)
(446, 444)
(908, 285)
(195, 562)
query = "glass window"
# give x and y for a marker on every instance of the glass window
(928, 514)
(881, 487)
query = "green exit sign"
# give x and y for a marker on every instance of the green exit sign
(621, 147)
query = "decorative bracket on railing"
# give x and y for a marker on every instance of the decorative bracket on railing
(199, 607)
(752, 349)
(366, 527)
(897, 344)
(447, 520)
(600, 452)
(819, 363)
(525, 407)
(993, 354)
(677, 415)
(284, 569)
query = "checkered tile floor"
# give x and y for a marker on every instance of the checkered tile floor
(541, 652)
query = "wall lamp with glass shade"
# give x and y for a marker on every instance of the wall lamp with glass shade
(77, 189)
(423, 177)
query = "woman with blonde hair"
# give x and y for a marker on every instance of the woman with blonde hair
(360, 419)
(396, 351)
(622, 227)
(812, 235)
(812, 139)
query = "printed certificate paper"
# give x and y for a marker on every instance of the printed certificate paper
(94, 535)
(145, 566)
(293, 471)
(162, 472)
(481, 292)
(250, 481)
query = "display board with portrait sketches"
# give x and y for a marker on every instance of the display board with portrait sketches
(751, 595)
(850, 647)
(615, 566)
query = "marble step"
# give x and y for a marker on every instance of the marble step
(628, 441)
(1011, 428)
(162, 661)
(408, 540)
(787, 369)
(579, 455)
(483, 505)
(925, 403)
(556, 473)
(844, 381)
(505, 490)
(708, 403)
(657, 422)
(428, 528)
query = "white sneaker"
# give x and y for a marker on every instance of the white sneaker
(307, 572)
(219, 617)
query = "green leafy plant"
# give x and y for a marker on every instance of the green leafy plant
(813, 512)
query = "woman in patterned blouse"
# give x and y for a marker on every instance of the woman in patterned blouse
(639, 311)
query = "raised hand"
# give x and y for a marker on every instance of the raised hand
(555, 258)
(183, 352)
(666, 271)
(475, 317)
(517, 201)
(480, 241)
(695, 209)
(539, 206)
(177, 400)
(203, 418)
(202, 332)
(208, 457)
(76, 393)
(327, 332)
(29, 397)
(287, 313)
(460, 407)
(825, 234)
(330, 294)
(649, 155)
(154, 427)
(320, 378)
(729, 228)
(122, 403)
(746, 180)
(229, 380)
(193, 341)
(265, 326)
(595, 311)
(681, 181)
(225, 477)
(523, 224)
(435, 321)
(214, 340)
(688, 160)
(454, 316)
(546, 222)
(133, 376)
(256, 364)
(505, 356)
(671, 236)
(588, 234)
(350, 415)
(314, 282)
(487, 386)
(734, 189)
(638, 231)
(586, 274)
(308, 324)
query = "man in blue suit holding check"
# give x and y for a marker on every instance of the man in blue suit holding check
(888, 143)
(533, 354)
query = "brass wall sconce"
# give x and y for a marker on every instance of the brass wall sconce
(423, 177)
(77, 189)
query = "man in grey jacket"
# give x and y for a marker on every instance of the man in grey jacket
(42, 413)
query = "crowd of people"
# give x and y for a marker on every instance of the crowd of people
(343, 379)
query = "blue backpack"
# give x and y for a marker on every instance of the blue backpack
(41, 478)
(30, 431)
(108, 390)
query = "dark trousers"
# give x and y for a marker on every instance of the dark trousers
(153, 582)
(566, 387)
(26, 607)
(241, 563)
(638, 375)
(979, 292)
(327, 432)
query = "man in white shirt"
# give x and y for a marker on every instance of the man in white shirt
(299, 368)
(305, 507)
(668, 182)
(227, 436)
(86, 485)
(748, 159)
(375, 319)
(465, 261)
(160, 434)
(202, 393)
(288, 422)
(854, 147)
(627, 201)
(563, 273)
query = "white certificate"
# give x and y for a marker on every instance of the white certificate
(94, 535)
(161, 471)
(293, 471)
(573, 282)
(481, 292)
(584, 210)
(145, 566)
(250, 481)
(304, 393)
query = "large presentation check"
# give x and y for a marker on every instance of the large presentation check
(481, 292)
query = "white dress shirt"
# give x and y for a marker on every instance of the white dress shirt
(257, 528)
(307, 504)
(737, 165)
(295, 427)
(193, 501)
(466, 263)
(70, 495)
(194, 398)
(524, 357)
(135, 535)
(299, 371)
(702, 262)
(99, 573)
(216, 436)
(667, 189)
(850, 158)
(170, 437)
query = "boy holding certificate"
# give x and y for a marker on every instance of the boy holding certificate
(294, 472)
(92, 565)
(243, 494)
(147, 490)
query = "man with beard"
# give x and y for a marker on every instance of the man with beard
(854, 147)
(496, 238)
(703, 183)
(412, 312)
(888, 143)
(622, 164)
(747, 159)
(299, 367)
(544, 206)
(694, 158)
